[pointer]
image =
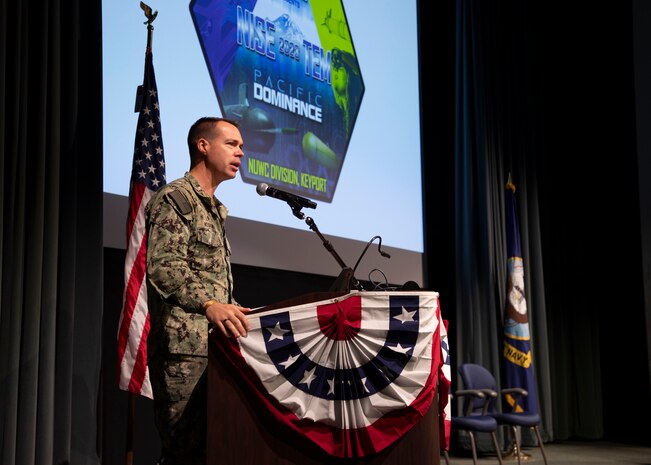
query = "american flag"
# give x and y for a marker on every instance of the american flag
(352, 374)
(147, 176)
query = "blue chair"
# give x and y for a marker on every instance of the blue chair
(474, 422)
(477, 377)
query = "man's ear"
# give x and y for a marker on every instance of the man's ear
(202, 145)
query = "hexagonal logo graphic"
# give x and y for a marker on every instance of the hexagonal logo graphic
(287, 72)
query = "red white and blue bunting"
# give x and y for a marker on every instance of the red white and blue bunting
(353, 373)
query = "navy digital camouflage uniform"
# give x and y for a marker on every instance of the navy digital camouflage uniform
(188, 263)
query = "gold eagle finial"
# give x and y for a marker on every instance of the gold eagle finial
(151, 16)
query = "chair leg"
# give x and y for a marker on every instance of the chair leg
(540, 443)
(497, 448)
(474, 447)
(516, 438)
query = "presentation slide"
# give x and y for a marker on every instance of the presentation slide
(326, 94)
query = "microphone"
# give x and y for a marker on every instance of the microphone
(292, 199)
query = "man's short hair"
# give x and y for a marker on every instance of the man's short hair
(203, 128)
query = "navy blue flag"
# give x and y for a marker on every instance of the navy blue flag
(518, 362)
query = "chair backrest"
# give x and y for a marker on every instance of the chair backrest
(476, 376)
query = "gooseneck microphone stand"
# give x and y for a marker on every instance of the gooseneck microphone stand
(346, 279)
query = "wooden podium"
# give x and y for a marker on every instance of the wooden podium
(242, 432)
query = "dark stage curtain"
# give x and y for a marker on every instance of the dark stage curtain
(497, 134)
(543, 92)
(51, 236)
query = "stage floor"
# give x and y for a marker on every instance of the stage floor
(567, 453)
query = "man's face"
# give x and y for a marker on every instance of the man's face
(224, 151)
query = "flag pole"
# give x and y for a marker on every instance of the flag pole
(131, 407)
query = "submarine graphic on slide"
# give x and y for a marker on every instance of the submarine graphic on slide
(257, 127)
(259, 131)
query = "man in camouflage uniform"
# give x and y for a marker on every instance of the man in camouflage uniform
(190, 288)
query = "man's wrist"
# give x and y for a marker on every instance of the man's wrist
(208, 304)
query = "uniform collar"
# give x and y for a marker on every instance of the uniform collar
(212, 202)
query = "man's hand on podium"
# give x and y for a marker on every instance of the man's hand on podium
(230, 319)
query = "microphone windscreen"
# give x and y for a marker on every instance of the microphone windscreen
(262, 188)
